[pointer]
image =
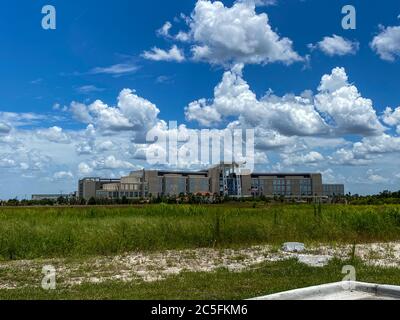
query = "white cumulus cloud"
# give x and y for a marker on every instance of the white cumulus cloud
(387, 43)
(227, 35)
(132, 113)
(62, 175)
(303, 159)
(54, 134)
(344, 105)
(336, 46)
(84, 169)
(289, 115)
(4, 128)
(164, 30)
(392, 117)
(238, 34)
(173, 54)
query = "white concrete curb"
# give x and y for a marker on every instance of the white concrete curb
(338, 289)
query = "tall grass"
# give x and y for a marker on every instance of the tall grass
(27, 233)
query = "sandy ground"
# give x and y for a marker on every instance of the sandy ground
(157, 266)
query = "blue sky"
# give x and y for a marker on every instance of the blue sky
(99, 48)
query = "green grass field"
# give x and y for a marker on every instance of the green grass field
(81, 233)
(30, 233)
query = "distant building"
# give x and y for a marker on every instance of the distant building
(53, 197)
(223, 180)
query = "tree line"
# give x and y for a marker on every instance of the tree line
(384, 197)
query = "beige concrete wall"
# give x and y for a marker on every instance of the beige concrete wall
(213, 174)
(131, 179)
(317, 184)
(266, 184)
(111, 187)
(198, 184)
(175, 184)
(246, 185)
(154, 183)
(89, 189)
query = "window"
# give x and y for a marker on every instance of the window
(279, 187)
(255, 183)
(306, 187)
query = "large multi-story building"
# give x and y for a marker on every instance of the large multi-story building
(222, 180)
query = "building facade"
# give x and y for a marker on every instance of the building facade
(333, 190)
(223, 180)
(300, 185)
(88, 187)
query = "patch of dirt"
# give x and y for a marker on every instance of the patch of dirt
(373, 254)
(157, 266)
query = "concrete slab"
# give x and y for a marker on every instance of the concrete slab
(293, 247)
(340, 291)
(314, 260)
